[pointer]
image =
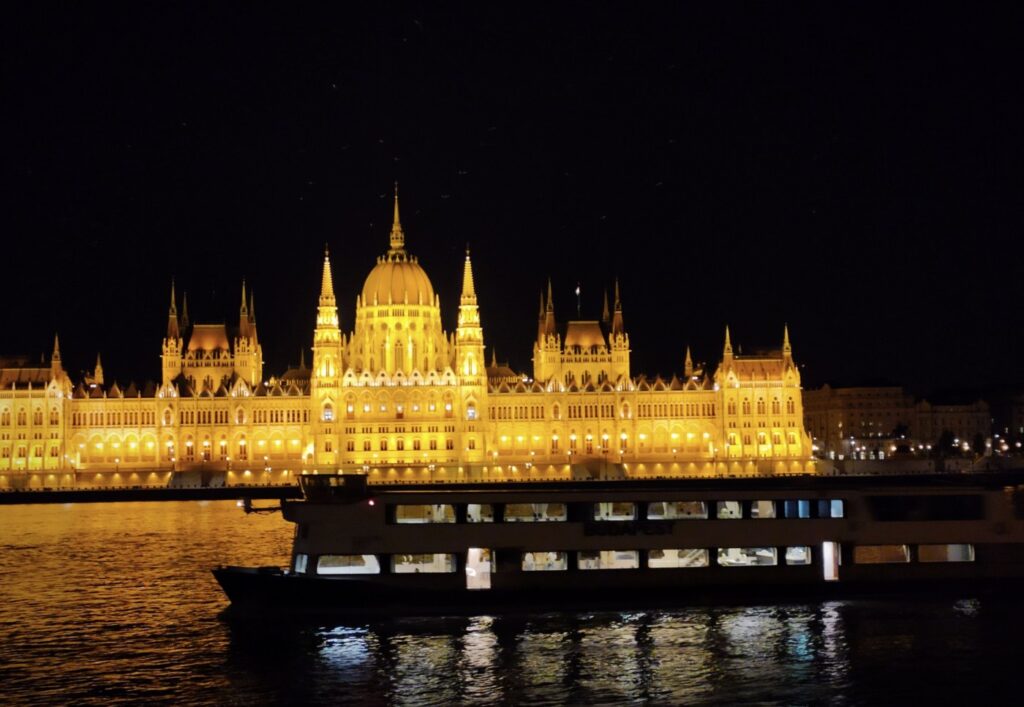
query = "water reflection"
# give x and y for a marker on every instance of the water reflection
(115, 602)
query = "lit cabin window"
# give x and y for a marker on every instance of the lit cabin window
(762, 509)
(425, 513)
(677, 509)
(544, 561)
(430, 563)
(479, 513)
(346, 564)
(747, 556)
(615, 511)
(729, 510)
(677, 558)
(797, 509)
(830, 508)
(945, 553)
(881, 554)
(608, 559)
(301, 562)
(328, 413)
(798, 555)
(534, 512)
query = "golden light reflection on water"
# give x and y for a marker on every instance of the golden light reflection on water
(116, 602)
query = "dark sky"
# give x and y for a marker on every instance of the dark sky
(853, 172)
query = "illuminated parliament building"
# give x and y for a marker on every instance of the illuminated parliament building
(398, 398)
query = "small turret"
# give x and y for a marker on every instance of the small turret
(617, 325)
(97, 373)
(688, 364)
(727, 349)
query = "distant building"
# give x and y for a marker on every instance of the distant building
(872, 420)
(397, 395)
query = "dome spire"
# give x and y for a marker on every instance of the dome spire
(397, 235)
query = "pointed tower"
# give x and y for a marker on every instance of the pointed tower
(727, 349)
(173, 344)
(606, 316)
(619, 340)
(185, 323)
(470, 366)
(248, 353)
(547, 351)
(325, 380)
(787, 350)
(56, 367)
(97, 373)
(688, 364)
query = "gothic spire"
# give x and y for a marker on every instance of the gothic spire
(56, 348)
(397, 235)
(727, 351)
(787, 350)
(326, 282)
(617, 325)
(184, 310)
(606, 315)
(173, 330)
(688, 364)
(244, 310)
(468, 290)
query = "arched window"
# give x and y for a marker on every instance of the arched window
(240, 416)
(328, 413)
(243, 449)
(760, 406)
(471, 412)
(21, 417)
(556, 412)
(168, 417)
(790, 406)
(746, 406)
(54, 416)
(776, 406)
(626, 412)
(731, 407)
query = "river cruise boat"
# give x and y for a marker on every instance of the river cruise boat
(466, 547)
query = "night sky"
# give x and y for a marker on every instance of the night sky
(853, 172)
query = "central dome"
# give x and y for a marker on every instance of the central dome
(397, 279)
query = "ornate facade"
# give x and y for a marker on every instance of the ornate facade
(398, 397)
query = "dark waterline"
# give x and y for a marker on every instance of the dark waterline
(115, 602)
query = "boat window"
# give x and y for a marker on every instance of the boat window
(615, 511)
(747, 556)
(543, 561)
(729, 510)
(608, 559)
(687, 557)
(534, 512)
(762, 509)
(478, 568)
(798, 555)
(796, 508)
(945, 553)
(830, 508)
(438, 562)
(881, 554)
(677, 509)
(301, 561)
(347, 564)
(425, 513)
(479, 513)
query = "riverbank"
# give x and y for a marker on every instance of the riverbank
(109, 495)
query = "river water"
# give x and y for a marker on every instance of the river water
(104, 603)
